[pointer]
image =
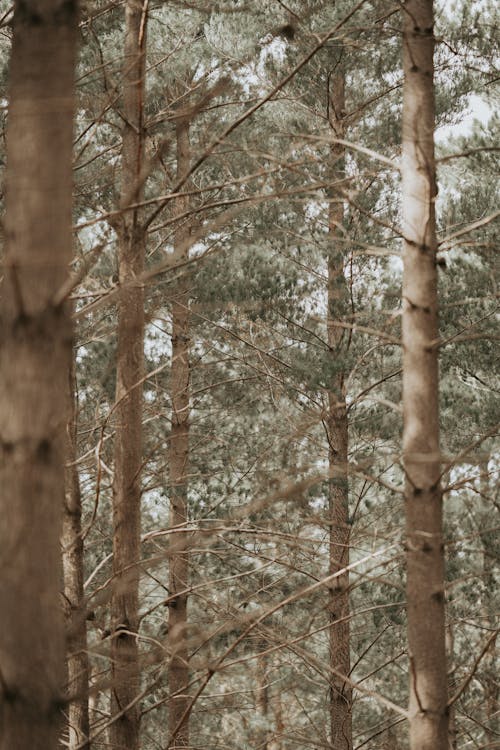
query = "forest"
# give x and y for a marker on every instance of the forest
(249, 397)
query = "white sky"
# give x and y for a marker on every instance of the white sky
(477, 109)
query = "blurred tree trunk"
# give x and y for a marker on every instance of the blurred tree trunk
(452, 686)
(262, 695)
(35, 357)
(424, 543)
(178, 670)
(337, 429)
(124, 732)
(73, 561)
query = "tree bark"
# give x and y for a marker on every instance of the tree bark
(124, 732)
(35, 354)
(262, 696)
(421, 452)
(488, 537)
(77, 660)
(337, 429)
(178, 670)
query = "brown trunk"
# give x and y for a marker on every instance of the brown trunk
(337, 427)
(490, 664)
(124, 732)
(452, 686)
(72, 545)
(424, 543)
(35, 355)
(262, 697)
(390, 740)
(178, 670)
(275, 742)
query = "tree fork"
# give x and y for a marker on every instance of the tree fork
(421, 452)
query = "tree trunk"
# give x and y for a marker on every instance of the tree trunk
(262, 696)
(72, 544)
(275, 742)
(337, 428)
(124, 732)
(452, 686)
(424, 543)
(488, 537)
(178, 670)
(35, 357)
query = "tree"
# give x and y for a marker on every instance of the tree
(178, 463)
(72, 543)
(337, 430)
(126, 677)
(421, 452)
(34, 363)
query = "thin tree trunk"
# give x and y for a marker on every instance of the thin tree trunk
(424, 544)
(391, 740)
(73, 568)
(275, 742)
(488, 536)
(262, 697)
(452, 686)
(178, 670)
(35, 355)
(124, 732)
(337, 428)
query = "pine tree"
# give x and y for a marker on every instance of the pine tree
(421, 451)
(72, 543)
(178, 461)
(126, 677)
(338, 500)
(34, 364)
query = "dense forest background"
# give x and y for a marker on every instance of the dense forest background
(231, 504)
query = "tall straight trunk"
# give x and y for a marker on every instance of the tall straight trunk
(77, 660)
(35, 354)
(124, 732)
(178, 558)
(421, 452)
(488, 536)
(337, 428)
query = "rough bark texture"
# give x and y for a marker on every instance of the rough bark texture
(337, 428)
(77, 661)
(178, 670)
(35, 355)
(124, 732)
(424, 542)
